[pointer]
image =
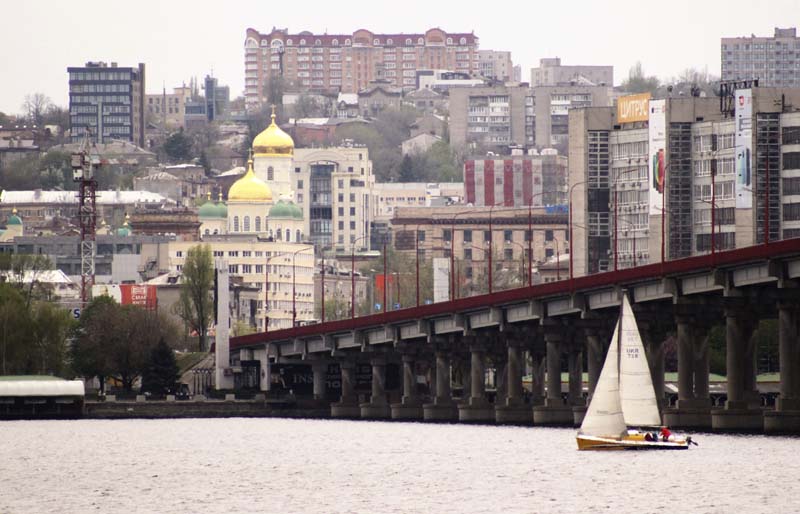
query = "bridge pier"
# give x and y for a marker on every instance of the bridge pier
(738, 414)
(554, 411)
(477, 407)
(347, 406)
(786, 416)
(378, 406)
(594, 358)
(409, 407)
(514, 410)
(693, 409)
(442, 408)
(575, 367)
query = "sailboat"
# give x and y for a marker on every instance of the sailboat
(624, 405)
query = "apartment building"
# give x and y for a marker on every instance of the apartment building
(516, 180)
(774, 61)
(349, 62)
(107, 101)
(682, 177)
(496, 65)
(491, 117)
(290, 277)
(551, 73)
(334, 187)
(167, 110)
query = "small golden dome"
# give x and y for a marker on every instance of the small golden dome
(273, 142)
(250, 188)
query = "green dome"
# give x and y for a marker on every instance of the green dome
(297, 211)
(222, 210)
(208, 210)
(123, 231)
(14, 220)
(281, 210)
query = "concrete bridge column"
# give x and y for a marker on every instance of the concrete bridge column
(347, 406)
(538, 363)
(442, 408)
(685, 340)
(737, 415)
(514, 409)
(693, 409)
(554, 411)
(786, 416)
(320, 371)
(378, 406)
(409, 407)
(477, 407)
(575, 368)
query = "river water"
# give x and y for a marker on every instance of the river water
(327, 466)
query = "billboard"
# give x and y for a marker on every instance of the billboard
(743, 139)
(632, 108)
(657, 143)
(441, 279)
(128, 294)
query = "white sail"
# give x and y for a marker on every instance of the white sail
(604, 414)
(637, 395)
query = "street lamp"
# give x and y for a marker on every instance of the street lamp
(491, 236)
(530, 236)
(294, 296)
(353, 275)
(322, 275)
(471, 247)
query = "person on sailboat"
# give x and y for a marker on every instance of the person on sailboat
(665, 434)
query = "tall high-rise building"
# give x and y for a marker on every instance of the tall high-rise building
(349, 62)
(495, 64)
(774, 61)
(108, 100)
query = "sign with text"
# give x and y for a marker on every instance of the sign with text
(743, 140)
(633, 108)
(657, 142)
(129, 294)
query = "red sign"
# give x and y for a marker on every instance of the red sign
(138, 294)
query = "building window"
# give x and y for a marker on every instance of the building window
(247, 224)
(352, 225)
(508, 254)
(447, 235)
(420, 235)
(236, 223)
(288, 235)
(548, 235)
(352, 211)
(270, 173)
(467, 236)
(487, 236)
(179, 254)
(508, 236)
(299, 184)
(467, 254)
(258, 223)
(352, 197)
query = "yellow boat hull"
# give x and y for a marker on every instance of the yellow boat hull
(628, 442)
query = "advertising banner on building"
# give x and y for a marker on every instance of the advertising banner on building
(632, 108)
(744, 148)
(441, 279)
(657, 168)
(129, 294)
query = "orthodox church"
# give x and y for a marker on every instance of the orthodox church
(262, 201)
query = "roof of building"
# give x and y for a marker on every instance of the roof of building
(233, 172)
(49, 276)
(286, 210)
(159, 175)
(70, 197)
(39, 386)
(250, 188)
(348, 98)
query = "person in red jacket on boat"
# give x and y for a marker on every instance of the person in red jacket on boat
(665, 434)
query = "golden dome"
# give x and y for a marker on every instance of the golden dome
(250, 188)
(273, 142)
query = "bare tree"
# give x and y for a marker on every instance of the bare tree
(35, 107)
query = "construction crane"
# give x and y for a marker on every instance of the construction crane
(84, 162)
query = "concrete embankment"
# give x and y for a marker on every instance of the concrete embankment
(199, 409)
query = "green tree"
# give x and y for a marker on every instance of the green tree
(442, 163)
(407, 170)
(98, 327)
(195, 306)
(23, 272)
(15, 325)
(637, 82)
(178, 147)
(50, 328)
(161, 372)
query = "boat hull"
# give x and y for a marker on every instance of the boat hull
(630, 442)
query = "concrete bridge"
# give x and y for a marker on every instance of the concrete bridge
(548, 323)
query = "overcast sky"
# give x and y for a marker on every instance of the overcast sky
(178, 39)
